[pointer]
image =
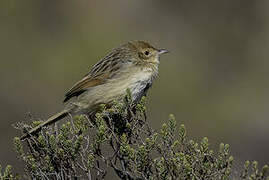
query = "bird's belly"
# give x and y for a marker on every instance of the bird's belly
(136, 84)
(139, 88)
(116, 90)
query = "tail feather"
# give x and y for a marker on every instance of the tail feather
(51, 120)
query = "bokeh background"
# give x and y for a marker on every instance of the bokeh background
(215, 80)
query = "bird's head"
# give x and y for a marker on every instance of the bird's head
(143, 52)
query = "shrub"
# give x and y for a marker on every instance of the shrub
(119, 139)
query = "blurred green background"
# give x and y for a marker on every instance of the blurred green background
(215, 80)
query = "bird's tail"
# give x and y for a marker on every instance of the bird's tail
(51, 120)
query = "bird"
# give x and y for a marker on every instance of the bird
(132, 65)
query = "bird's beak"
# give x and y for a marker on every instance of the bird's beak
(163, 51)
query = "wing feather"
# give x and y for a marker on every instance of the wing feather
(82, 86)
(99, 74)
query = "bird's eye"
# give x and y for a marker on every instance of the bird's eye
(146, 53)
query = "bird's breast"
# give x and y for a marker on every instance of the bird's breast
(136, 80)
(140, 84)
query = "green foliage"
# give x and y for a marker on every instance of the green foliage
(7, 174)
(120, 137)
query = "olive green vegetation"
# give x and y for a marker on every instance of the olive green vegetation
(120, 138)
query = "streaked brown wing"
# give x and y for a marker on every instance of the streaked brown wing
(99, 74)
(82, 86)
